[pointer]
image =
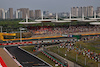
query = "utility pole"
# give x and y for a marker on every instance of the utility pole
(85, 60)
(1, 29)
(76, 57)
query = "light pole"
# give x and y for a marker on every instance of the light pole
(98, 64)
(58, 48)
(85, 60)
(21, 33)
(1, 29)
(76, 57)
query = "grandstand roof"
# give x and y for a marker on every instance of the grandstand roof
(95, 23)
(72, 19)
(29, 22)
(61, 21)
(94, 18)
(45, 20)
(87, 20)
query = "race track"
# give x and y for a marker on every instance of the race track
(26, 59)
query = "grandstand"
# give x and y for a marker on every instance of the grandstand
(44, 31)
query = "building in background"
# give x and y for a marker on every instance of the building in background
(6, 14)
(31, 14)
(90, 11)
(2, 13)
(98, 11)
(45, 13)
(63, 14)
(10, 13)
(37, 14)
(18, 14)
(74, 11)
(80, 12)
(24, 12)
(85, 11)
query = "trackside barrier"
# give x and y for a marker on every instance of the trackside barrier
(17, 43)
(32, 42)
(12, 58)
(53, 59)
(0, 44)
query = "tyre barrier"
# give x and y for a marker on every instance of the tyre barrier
(53, 59)
(17, 43)
(32, 42)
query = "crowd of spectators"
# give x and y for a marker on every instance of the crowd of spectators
(63, 30)
(81, 50)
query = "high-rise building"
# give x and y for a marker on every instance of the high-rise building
(37, 14)
(6, 15)
(98, 11)
(80, 11)
(85, 11)
(24, 12)
(10, 13)
(90, 11)
(63, 14)
(45, 13)
(74, 11)
(18, 14)
(2, 13)
(31, 14)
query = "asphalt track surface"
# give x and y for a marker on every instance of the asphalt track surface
(25, 59)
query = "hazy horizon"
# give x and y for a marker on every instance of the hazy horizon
(48, 5)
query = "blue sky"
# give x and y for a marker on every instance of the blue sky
(49, 5)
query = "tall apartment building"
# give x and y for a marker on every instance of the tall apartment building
(10, 13)
(90, 11)
(18, 14)
(24, 12)
(6, 14)
(80, 10)
(2, 13)
(98, 11)
(37, 14)
(74, 11)
(85, 11)
(31, 14)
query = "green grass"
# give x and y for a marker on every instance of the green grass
(29, 48)
(71, 55)
(92, 45)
